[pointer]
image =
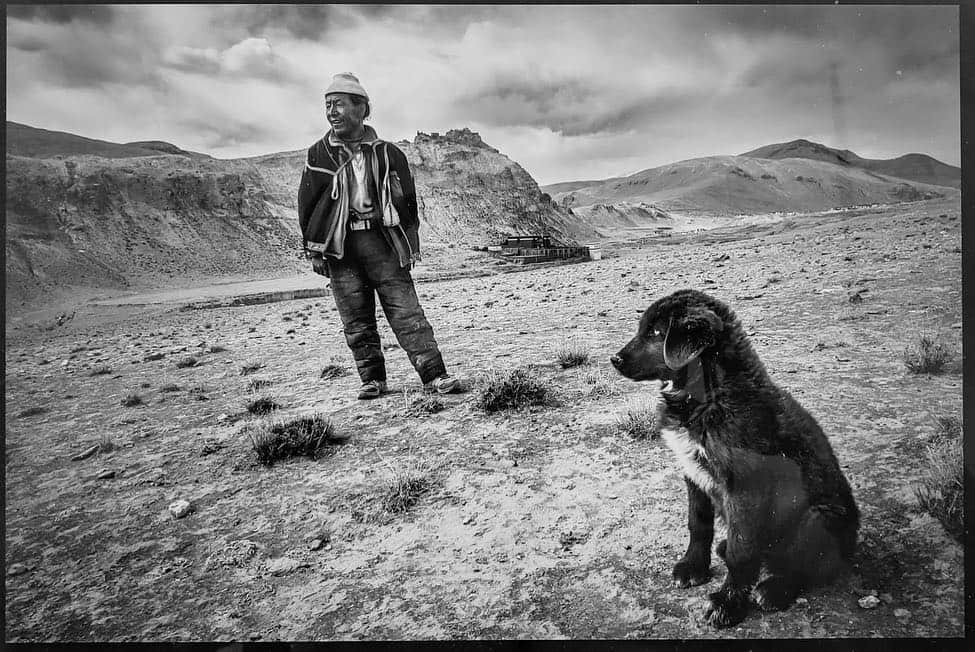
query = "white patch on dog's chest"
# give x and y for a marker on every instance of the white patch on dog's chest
(688, 452)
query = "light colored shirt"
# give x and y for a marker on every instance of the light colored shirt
(359, 199)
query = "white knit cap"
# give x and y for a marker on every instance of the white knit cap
(346, 82)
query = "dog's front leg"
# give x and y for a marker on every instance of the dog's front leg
(694, 568)
(729, 604)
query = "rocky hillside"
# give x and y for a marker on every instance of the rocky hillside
(470, 193)
(911, 167)
(778, 178)
(88, 213)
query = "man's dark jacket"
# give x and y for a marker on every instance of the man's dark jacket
(322, 213)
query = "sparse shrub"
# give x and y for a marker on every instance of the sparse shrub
(101, 371)
(406, 485)
(333, 371)
(600, 385)
(421, 404)
(262, 405)
(198, 392)
(948, 428)
(639, 421)
(303, 436)
(106, 444)
(170, 387)
(216, 348)
(399, 491)
(250, 368)
(31, 411)
(258, 384)
(131, 400)
(941, 491)
(927, 356)
(511, 390)
(188, 361)
(572, 354)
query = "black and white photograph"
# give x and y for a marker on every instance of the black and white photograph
(518, 322)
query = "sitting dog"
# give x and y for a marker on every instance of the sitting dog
(750, 454)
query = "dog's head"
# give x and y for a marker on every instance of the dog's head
(673, 331)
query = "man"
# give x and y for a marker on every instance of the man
(354, 189)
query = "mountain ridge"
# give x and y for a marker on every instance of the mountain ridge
(946, 175)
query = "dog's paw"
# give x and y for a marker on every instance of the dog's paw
(726, 610)
(776, 593)
(689, 573)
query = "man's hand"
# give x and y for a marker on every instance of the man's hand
(318, 264)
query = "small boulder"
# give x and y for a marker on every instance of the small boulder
(180, 508)
(869, 602)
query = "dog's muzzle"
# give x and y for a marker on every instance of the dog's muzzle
(616, 361)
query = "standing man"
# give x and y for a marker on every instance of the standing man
(358, 216)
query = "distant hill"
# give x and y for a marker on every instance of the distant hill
(913, 167)
(23, 140)
(568, 186)
(787, 177)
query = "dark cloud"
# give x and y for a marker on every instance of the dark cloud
(897, 23)
(26, 43)
(225, 132)
(193, 60)
(62, 14)
(573, 107)
(308, 22)
(92, 65)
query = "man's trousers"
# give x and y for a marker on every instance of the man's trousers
(370, 267)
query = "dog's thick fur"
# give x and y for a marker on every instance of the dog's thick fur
(750, 454)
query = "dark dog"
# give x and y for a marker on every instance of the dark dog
(749, 452)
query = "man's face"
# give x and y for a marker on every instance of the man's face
(345, 116)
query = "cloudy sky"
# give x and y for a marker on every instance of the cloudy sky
(570, 92)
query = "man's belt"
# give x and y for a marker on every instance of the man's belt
(361, 221)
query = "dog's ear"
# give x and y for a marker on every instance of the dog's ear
(689, 336)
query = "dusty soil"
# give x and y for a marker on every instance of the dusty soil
(544, 522)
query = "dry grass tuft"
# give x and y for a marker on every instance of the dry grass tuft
(572, 354)
(948, 428)
(399, 490)
(639, 421)
(101, 371)
(304, 436)
(330, 371)
(421, 404)
(250, 368)
(188, 361)
(927, 356)
(31, 411)
(106, 444)
(600, 384)
(263, 405)
(509, 390)
(404, 487)
(171, 387)
(941, 491)
(258, 384)
(131, 400)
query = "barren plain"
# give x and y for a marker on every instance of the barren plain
(543, 522)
